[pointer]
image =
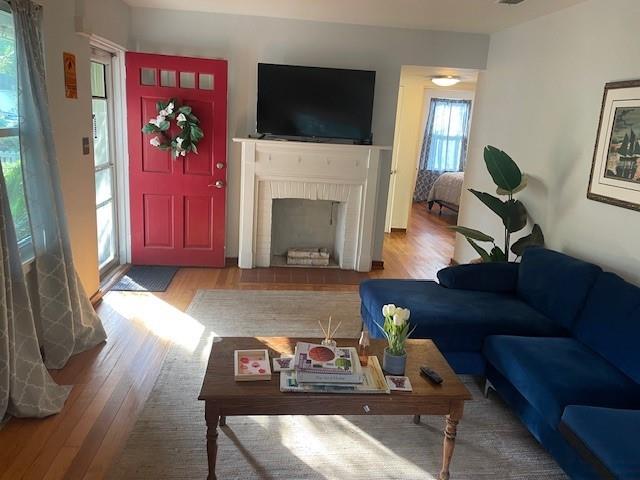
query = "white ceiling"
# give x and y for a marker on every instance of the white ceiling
(479, 16)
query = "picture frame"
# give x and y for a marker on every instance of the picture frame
(615, 169)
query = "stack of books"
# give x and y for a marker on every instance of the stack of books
(321, 368)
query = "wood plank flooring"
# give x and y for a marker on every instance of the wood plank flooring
(112, 381)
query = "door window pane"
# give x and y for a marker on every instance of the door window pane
(148, 76)
(103, 186)
(106, 237)
(100, 132)
(206, 81)
(187, 80)
(167, 78)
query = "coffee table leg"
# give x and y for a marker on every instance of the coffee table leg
(212, 417)
(450, 431)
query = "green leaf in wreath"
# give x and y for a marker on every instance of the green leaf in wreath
(502, 168)
(473, 234)
(160, 105)
(150, 128)
(164, 126)
(185, 109)
(194, 149)
(193, 119)
(196, 134)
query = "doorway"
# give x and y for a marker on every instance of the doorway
(416, 97)
(105, 172)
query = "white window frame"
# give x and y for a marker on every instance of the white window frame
(120, 143)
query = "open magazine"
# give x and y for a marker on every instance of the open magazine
(373, 381)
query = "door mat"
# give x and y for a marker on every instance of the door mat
(144, 278)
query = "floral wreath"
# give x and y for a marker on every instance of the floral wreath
(186, 140)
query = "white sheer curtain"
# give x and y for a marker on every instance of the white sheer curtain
(66, 321)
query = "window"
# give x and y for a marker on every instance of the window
(444, 148)
(9, 133)
(104, 164)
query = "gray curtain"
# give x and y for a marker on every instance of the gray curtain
(68, 323)
(26, 389)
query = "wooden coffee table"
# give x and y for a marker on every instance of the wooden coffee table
(223, 396)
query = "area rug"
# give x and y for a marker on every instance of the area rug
(144, 278)
(168, 440)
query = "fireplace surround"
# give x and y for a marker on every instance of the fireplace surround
(345, 174)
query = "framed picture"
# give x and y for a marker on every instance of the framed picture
(615, 172)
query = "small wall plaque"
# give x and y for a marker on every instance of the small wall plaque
(70, 75)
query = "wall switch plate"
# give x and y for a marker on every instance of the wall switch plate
(86, 146)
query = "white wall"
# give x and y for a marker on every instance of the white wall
(539, 100)
(246, 40)
(413, 108)
(71, 120)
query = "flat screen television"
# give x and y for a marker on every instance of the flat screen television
(314, 102)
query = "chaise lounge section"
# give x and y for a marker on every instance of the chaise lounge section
(551, 333)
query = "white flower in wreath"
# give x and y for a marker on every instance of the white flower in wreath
(169, 108)
(181, 118)
(183, 153)
(179, 141)
(155, 142)
(157, 121)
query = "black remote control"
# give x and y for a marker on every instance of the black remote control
(431, 374)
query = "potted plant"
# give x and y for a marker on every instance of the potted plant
(396, 329)
(509, 180)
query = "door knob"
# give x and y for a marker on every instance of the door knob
(218, 184)
(219, 165)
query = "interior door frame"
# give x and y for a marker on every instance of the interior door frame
(120, 141)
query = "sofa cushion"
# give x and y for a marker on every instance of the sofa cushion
(610, 323)
(499, 277)
(608, 436)
(555, 284)
(456, 320)
(552, 373)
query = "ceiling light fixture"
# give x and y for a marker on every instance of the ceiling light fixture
(445, 80)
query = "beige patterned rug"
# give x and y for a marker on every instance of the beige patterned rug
(168, 440)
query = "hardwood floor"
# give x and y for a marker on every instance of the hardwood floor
(112, 381)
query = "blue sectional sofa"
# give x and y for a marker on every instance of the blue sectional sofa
(558, 338)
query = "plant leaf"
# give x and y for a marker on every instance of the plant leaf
(481, 251)
(536, 237)
(519, 188)
(164, 126)
(473, 234)
(494, 203)
(497, 255)
(515, 218)
(185, 109)
(502, 168)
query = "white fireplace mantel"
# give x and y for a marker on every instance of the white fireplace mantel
(273, 169)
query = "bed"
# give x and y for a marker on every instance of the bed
(446, 191)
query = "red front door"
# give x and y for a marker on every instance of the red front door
(177, 205)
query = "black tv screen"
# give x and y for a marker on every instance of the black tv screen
(315, 102)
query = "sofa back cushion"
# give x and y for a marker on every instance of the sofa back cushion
(610, 323)
(555, 284)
